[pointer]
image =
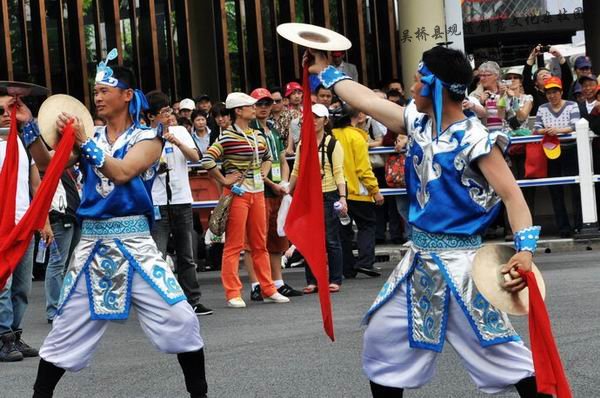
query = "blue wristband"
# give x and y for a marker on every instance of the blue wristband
(30, 132)
(93, 154)
(527, 238)
(330, 76)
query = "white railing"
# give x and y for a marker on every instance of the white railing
(586, 178)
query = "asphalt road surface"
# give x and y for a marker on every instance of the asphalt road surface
(270, 350)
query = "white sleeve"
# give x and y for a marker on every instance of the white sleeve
(411, 116)
(183, 135)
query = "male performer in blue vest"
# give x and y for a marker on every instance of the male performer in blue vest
(117, 265)
(456, 178)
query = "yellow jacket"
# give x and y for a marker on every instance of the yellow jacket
(362, 184)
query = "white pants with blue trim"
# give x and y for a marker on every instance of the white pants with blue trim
(388, 359)
(75, 336)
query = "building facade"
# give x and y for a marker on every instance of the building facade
(192, 47)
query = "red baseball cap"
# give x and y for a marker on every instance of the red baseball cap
(291, 87)
(553, 82)
(551, 145)
(261, 93)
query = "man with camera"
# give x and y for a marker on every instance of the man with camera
(172, 198)
(534, 84)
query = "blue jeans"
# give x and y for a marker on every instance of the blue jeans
(55, 270)
(402, 204)
(14, 296)
(177, 220)
(333, 241)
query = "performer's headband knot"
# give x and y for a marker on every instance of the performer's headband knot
(433, 88)
(104, 76)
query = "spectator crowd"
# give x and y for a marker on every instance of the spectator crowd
(251, 142)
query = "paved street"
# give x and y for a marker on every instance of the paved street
(281, 351)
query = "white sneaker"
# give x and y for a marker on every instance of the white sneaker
(277, 298)
(236, 302)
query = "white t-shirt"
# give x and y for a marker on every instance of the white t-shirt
(178, 171)
(22, 203)
(590, 105)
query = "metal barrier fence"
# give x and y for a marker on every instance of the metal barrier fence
(585, 179)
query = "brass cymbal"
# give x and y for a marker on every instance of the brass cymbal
(488, 279)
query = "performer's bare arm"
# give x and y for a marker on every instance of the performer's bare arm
(360, 97)
(139, 159)
(497, 173)
(43, 156)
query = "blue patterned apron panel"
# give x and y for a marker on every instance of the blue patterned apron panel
(436, 267)
(109, 253)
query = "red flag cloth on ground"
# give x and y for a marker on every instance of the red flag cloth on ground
(549, 373)
(305, 223)
(14, 243)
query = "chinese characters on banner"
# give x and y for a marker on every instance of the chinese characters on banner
(433, 34)
(500, 24)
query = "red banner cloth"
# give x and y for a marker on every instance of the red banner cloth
(15, 239)
(549, 373)
(305, 223)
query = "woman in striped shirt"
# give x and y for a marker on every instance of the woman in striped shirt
(246, 160)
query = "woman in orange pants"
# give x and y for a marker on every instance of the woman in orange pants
(243, 149)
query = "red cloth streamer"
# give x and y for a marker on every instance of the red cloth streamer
(305, 223)
(549, 373)
(15, 239)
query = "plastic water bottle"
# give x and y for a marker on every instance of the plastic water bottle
(55, 256)
(41, 252)
(344, 219)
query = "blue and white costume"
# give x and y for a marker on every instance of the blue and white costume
(430, 297)
(116, 264)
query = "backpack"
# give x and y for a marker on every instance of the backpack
(394, 171)
(328, 151)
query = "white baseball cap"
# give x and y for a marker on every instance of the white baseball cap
(187, 105)
(235, 100)
(320, 110)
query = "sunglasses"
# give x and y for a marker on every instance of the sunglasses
(277, 101)
(262, 103)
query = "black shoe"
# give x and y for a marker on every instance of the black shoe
(295, 260)
(368, 271)
(256, 294)
(289, 291)
(8, 349)
(350, 276)
(26, 349)
(201, 310)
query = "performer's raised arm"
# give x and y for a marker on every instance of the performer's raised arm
(358, 96)
(139, 159)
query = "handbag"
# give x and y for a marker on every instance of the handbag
(536, 162)
(217, 223)
(394, 171)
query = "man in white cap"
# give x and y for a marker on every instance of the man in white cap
(186, 107)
